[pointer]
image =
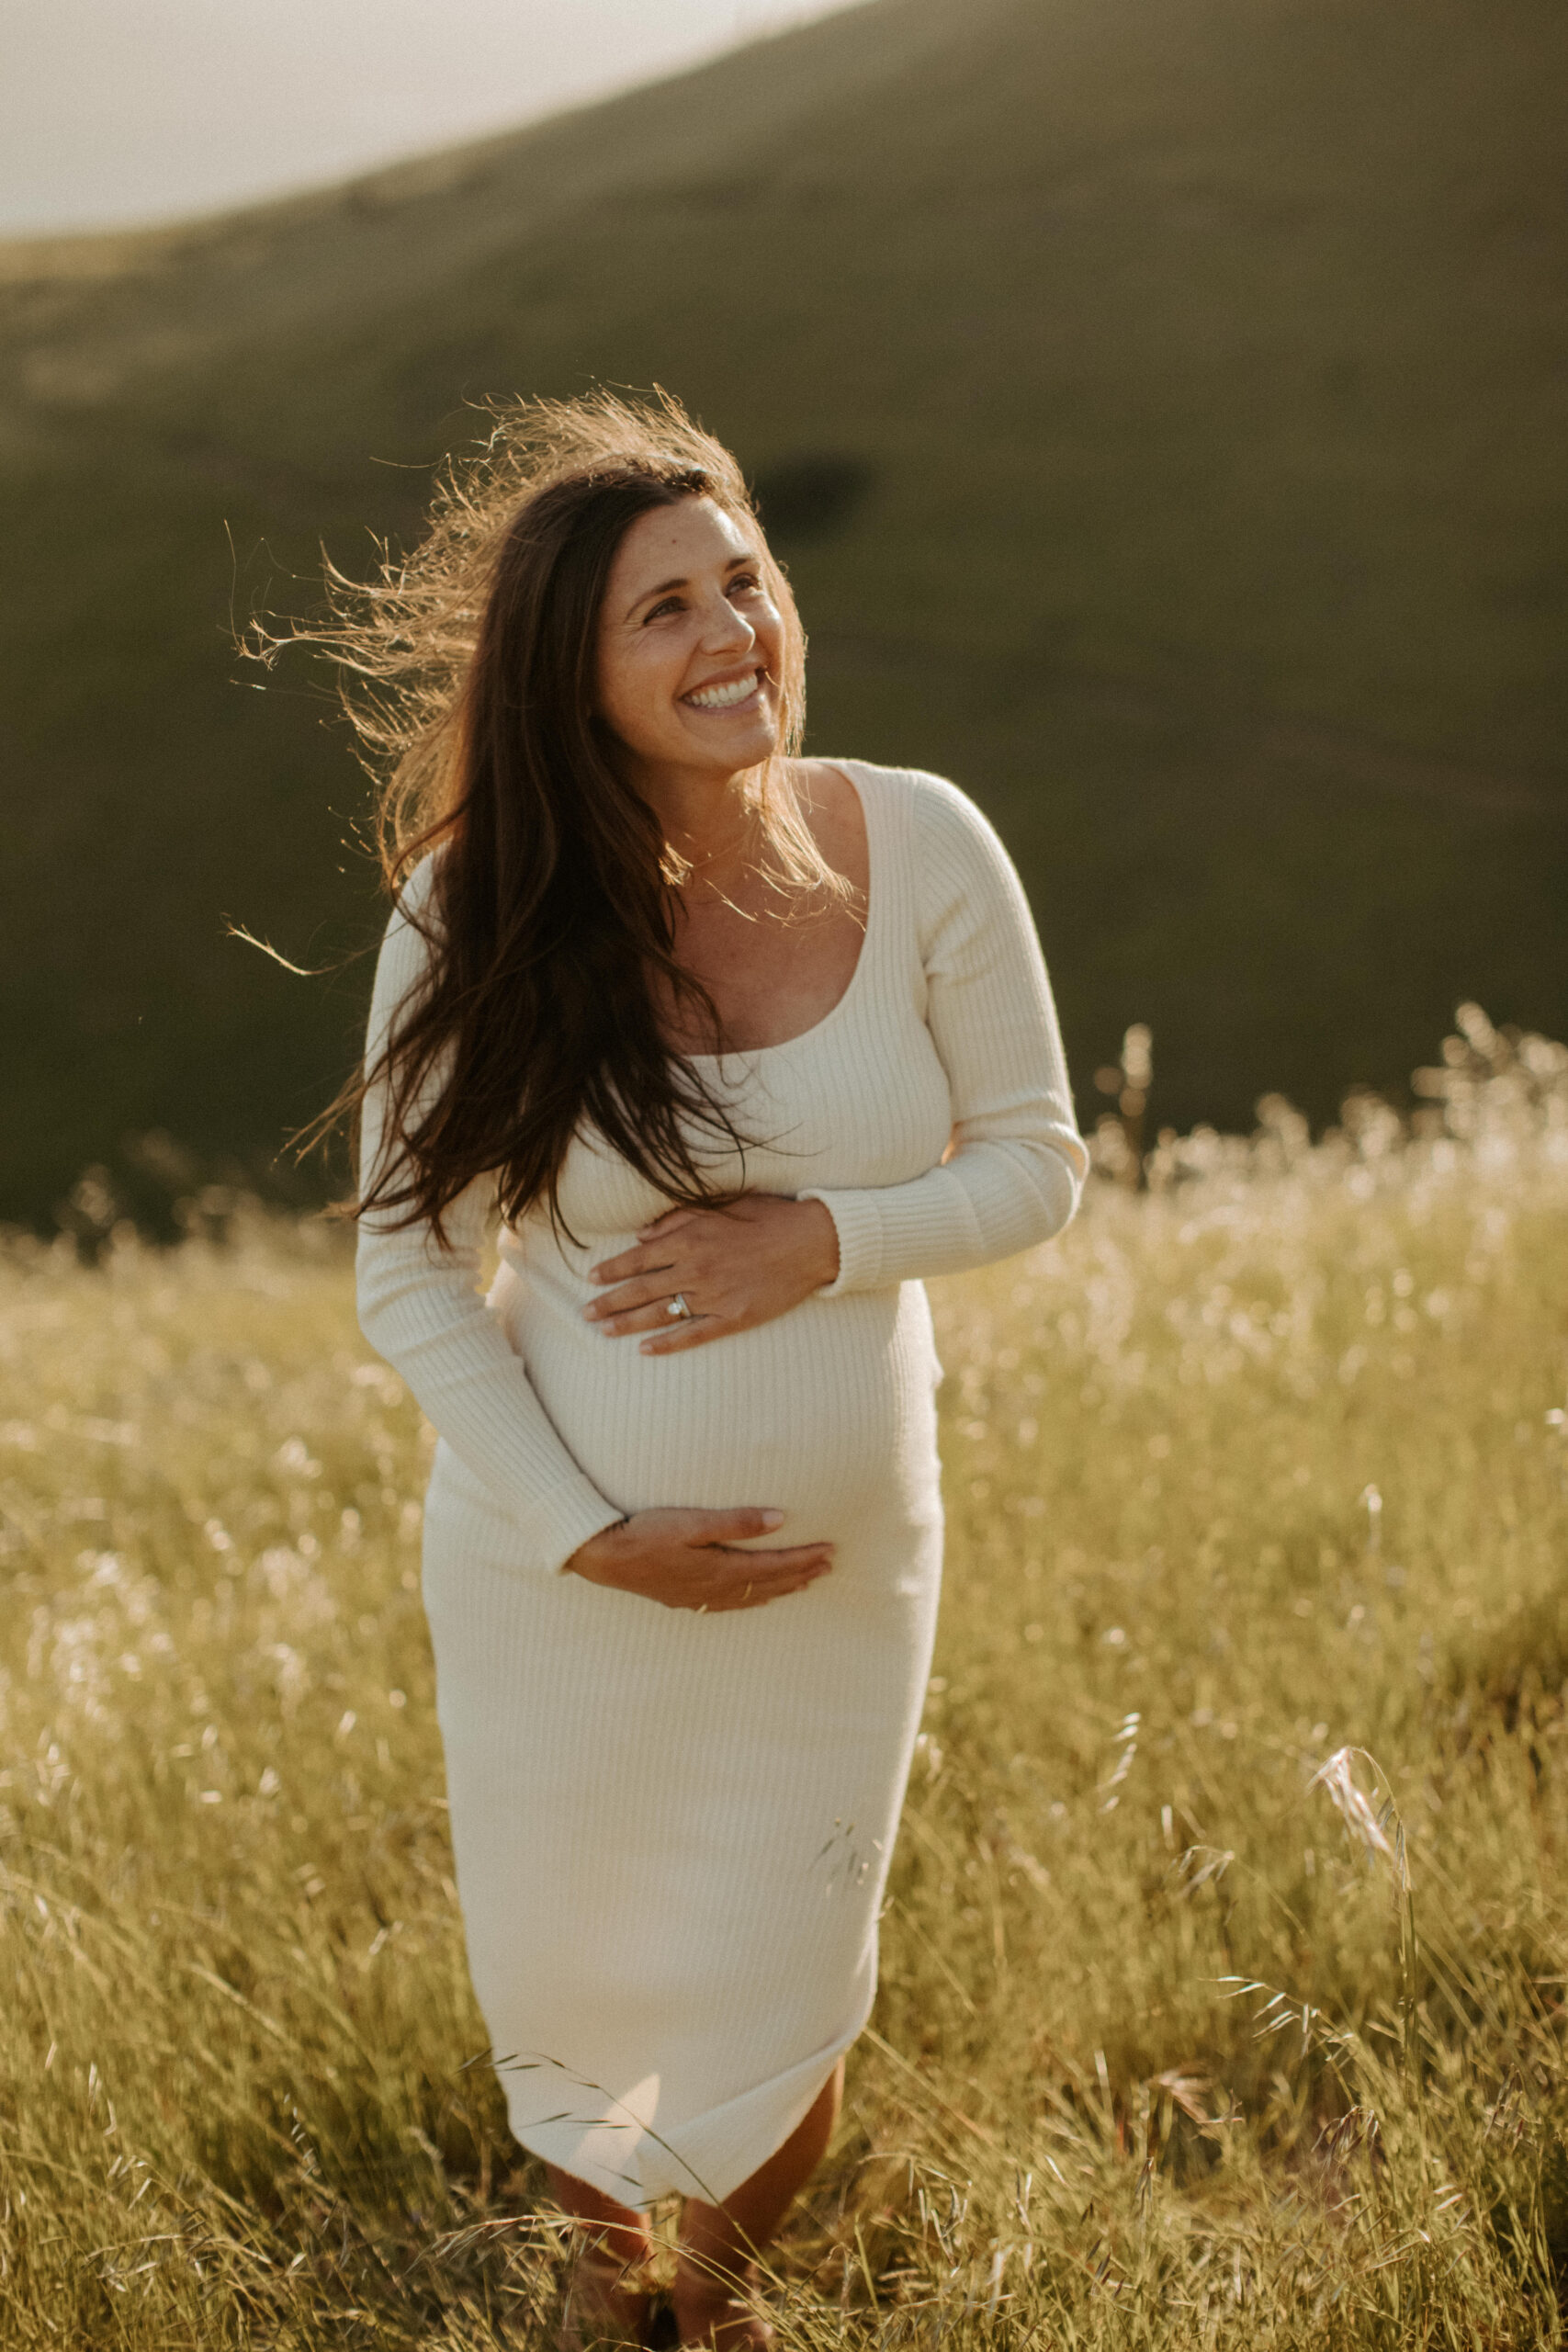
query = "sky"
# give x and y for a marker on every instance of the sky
(115, 112)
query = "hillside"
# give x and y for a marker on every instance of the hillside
(1163, 408)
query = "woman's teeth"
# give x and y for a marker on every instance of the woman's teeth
(723, 697)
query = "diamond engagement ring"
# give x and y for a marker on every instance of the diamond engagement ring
(677, 1308)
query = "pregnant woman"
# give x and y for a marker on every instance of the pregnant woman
(741, 1046)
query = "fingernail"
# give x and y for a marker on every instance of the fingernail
(772, 1518)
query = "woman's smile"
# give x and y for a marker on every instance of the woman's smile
(728, 694)
(691, 630)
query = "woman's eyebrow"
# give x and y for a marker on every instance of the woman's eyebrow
(748, 556)
(662, 590)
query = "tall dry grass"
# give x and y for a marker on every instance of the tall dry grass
(1224, 1960)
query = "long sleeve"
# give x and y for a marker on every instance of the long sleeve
(421, 1309)
(1017, 1164)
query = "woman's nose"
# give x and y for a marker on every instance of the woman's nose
(724, 626)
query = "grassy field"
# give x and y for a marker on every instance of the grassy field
(1191, 375)
(1222, 1995)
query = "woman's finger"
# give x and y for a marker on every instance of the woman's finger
(643, 1260)
(754, 1591)
(655, 1316)
(670, 1222)
(754, 1599)
(701, 1526)
(786, 1561)
(694, 1331)
(652, 1290)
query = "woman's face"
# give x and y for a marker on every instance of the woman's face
(690, 643)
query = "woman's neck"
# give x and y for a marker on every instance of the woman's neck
(709, 818)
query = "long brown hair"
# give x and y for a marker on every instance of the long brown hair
(550, 913)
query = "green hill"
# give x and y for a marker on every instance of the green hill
(1162, 405)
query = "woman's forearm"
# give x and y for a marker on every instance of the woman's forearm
(992, 1199)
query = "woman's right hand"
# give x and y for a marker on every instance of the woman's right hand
(686, 1559)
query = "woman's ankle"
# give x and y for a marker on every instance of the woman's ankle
(705, 2291)
(607, 2300)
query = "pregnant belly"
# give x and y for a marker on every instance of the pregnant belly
(828, 1413)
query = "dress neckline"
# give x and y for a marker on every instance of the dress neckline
(873, 902)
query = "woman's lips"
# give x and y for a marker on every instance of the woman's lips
(727, 693)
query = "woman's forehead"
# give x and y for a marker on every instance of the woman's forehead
(669, 541)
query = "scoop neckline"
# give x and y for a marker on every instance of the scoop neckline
(873, 902)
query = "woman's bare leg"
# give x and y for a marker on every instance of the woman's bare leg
(607, 2302)
(716, 2272)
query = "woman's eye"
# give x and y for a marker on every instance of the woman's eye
(668, 605)
(745, 580)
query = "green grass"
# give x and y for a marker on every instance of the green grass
(1206, 360)
(1165, 2053)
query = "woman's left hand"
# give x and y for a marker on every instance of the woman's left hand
(734, 1268)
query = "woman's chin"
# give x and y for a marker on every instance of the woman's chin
(735, 743)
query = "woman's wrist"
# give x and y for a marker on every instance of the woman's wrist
(822, 1244)
(599, 1548)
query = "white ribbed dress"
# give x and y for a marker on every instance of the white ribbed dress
(672, 1831)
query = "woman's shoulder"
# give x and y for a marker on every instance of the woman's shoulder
(409, 927)
(957, 850)
(937, 806)
(413, 894)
